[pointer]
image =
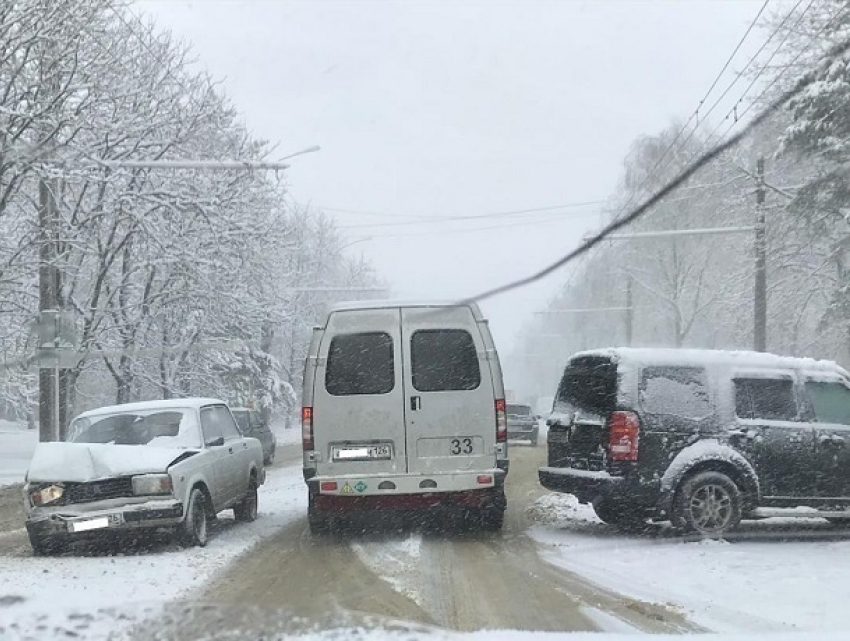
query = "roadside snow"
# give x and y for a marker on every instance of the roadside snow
(394, 561)
(776, 575)
(67, 592)
(17, 445)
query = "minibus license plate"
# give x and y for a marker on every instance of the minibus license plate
(370, 452)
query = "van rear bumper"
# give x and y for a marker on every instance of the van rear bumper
(351, 486)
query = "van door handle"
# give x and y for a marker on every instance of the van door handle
(415, 403)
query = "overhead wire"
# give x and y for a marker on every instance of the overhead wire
(733, 112)
(834, 53)
(695, 114)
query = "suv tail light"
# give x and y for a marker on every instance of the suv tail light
(623, 435)
(501, 421)
(307, 428)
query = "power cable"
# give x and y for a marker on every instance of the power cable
(808, 79)
(695, 114)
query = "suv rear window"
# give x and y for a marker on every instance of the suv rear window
(675, 391)
(444, 360)
(770, 399)
(589, 382)
(518, 410)
(360, 364)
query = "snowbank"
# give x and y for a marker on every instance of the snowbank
(776, 575)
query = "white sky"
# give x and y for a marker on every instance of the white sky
(446, 108)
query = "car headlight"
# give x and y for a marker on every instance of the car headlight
(46, 495)
(152, 484)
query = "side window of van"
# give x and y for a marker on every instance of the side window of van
(770, 399)
(360, 364)
(444, 360)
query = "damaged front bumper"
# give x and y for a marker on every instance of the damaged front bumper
(103, 516)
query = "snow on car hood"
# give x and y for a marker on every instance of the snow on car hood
(81, 462)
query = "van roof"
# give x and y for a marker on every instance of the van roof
(384, 304)
(711, 357)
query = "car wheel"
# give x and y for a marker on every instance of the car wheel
(621, 515)
(194, 530)
(270, 458)
(708, 503)
(246, 510)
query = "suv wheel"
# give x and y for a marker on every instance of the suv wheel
(246, 510)
(621, 515)
(708, 503)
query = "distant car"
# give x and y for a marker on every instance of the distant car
(522, 423)
(172, 464)
(252, 424)
(702, 438)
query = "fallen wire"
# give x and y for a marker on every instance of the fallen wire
(804, 82)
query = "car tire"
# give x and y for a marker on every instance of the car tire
(707, 503)
(270, 458)
(194, 531)
(534, 441)
(621, 515)
(246, 510)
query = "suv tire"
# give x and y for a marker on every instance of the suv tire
(621, 515)
(707, 503)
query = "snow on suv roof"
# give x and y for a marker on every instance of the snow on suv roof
(711, 357)
(173, 403)
(384, 304)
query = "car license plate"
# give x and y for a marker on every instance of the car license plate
(101, 522)
(90, 524)
(370, 452)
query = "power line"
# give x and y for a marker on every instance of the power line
(695, 114)
(733, 111)
(788, 66)
(425, 218)
(672, 185)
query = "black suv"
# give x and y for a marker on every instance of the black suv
(702, 438)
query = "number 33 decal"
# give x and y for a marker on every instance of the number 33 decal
(461, 446)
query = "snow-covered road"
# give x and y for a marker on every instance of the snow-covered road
(773, 576)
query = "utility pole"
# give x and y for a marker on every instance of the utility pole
(760, 293)
(49, 284)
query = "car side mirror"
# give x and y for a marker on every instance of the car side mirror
(216, 442)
